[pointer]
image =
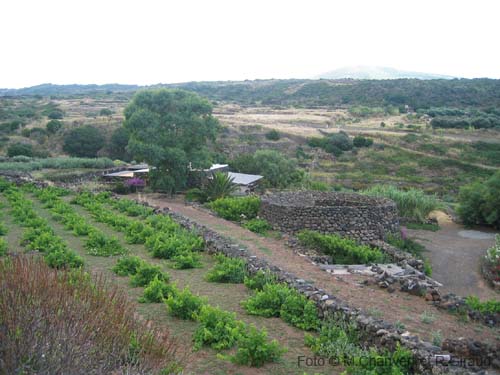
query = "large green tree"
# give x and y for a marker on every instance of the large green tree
(170, 130)
(84, 141)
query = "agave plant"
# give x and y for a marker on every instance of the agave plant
(219, 186)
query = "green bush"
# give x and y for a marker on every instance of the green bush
(268, 301)
(3, 229)
(412, 204)
(62, 258)
(168, 245)
(53, 126)
(157, 290)
(186, 260)
(259, 279)
(196, 195)
(147, 273)
(138, 232)
(99, 244)
(260, 226)
(16, 149)
(479, 202)
(227, 270)
(84, 141)
(273, 135)
(127, 266)
(339, 340)
(184, 304)
(3, 247)
(236, 209)
(360, 141)
(398, 362)
(255, 350)
(217, 328)
(300, 312)
(486, 307)
(336, 339)
(342, 250)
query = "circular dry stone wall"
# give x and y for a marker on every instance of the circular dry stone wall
(359, 216)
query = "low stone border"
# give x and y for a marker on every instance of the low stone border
(456, 304)
(429, 359)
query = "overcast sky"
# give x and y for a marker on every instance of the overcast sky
(147, 42)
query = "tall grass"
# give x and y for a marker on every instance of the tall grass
(412, 204)
(58, 322)
(31, 164)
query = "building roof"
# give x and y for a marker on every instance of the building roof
(120, 174)
(244, 179)
(137, 166)
(217, 166)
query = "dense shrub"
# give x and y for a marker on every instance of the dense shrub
(16, 149)
(53, 126)
(138, 232)
(335, 143)
(360, 141)
(184, 304)
(412, 204)
(479, 202)
(236, 209)
(278, 170)
(157, 290)
(196, 195)
(300, 312)
(146, 273)
(186, 260)
(3, 247)
(339, 340)
(342, 250)
(255, 350)
(336, 339)
(217, 328)
(273, 135)
(227, 270)
(55, 114)
(260, 226)
(280, 300)
(3, 229)
(127, 266)
(130, 207)
(105, 112)
(259, 279)
(99, 244)
(486, 307)
(84, 141)
(168, 245)
(268, 301)
(42, 309)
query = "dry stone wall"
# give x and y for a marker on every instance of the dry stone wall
(362, 217)
(429, 359)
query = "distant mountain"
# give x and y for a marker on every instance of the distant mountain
(377, 72)
(51, 89)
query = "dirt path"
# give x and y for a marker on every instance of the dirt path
(455, 257)
(397, 307)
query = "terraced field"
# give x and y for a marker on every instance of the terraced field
(227, 296)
